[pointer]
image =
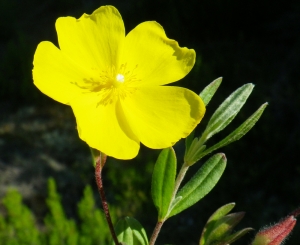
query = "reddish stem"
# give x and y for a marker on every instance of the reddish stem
(98, 170)
(155, 232)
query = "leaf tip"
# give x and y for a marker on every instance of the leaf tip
(219, 79)
(223, 156)
(252, 85)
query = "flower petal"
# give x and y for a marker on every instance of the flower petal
(56, 75)
(162, 115)
(156, 59)
(93, 41)
(103, 127)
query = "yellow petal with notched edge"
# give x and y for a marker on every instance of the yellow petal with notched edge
(161, 115)
(156, 59)
(55, 75)
(93, 41)
(103, 127)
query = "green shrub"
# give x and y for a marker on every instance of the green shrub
(18, 226)
(59, 229)
(93, 227)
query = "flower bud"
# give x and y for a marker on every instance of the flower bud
(275, 235)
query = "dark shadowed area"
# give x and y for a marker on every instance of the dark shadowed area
(242, 41)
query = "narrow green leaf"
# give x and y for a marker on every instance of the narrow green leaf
(175, 201)
(95, 154)
(227, 111)
(201, 183)
(222, 211)
(219, 213)
(219, 226)
(163, 181)
(188, 141)
(237, 235)
(236, 134)
(223, 227)
(129, 231)
(196, 147)
(209, 91)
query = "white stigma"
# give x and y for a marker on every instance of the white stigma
(120, 78)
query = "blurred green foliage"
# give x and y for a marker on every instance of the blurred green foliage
(18, 225)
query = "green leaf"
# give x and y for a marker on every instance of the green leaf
(188, 141)
(237, 235)
(124, 232)
(196, 147)
(227, 111)
(95, 154)
(201, 183)
(163, 181)
(223, 226)
(175, 201)
(219, 226)
(129, 231)
(209, 91)
(236, 134)
(219, 213)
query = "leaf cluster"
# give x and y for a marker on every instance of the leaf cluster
(171, 199)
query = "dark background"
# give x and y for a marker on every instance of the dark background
(242, 41)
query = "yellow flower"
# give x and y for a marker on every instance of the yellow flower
(113, 82)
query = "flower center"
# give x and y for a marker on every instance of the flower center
(118, 81)
(120, 78)
(111, 84)
(113, 78)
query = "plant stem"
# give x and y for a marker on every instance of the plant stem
(178, 181)
(98, 171)
(156, 232)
